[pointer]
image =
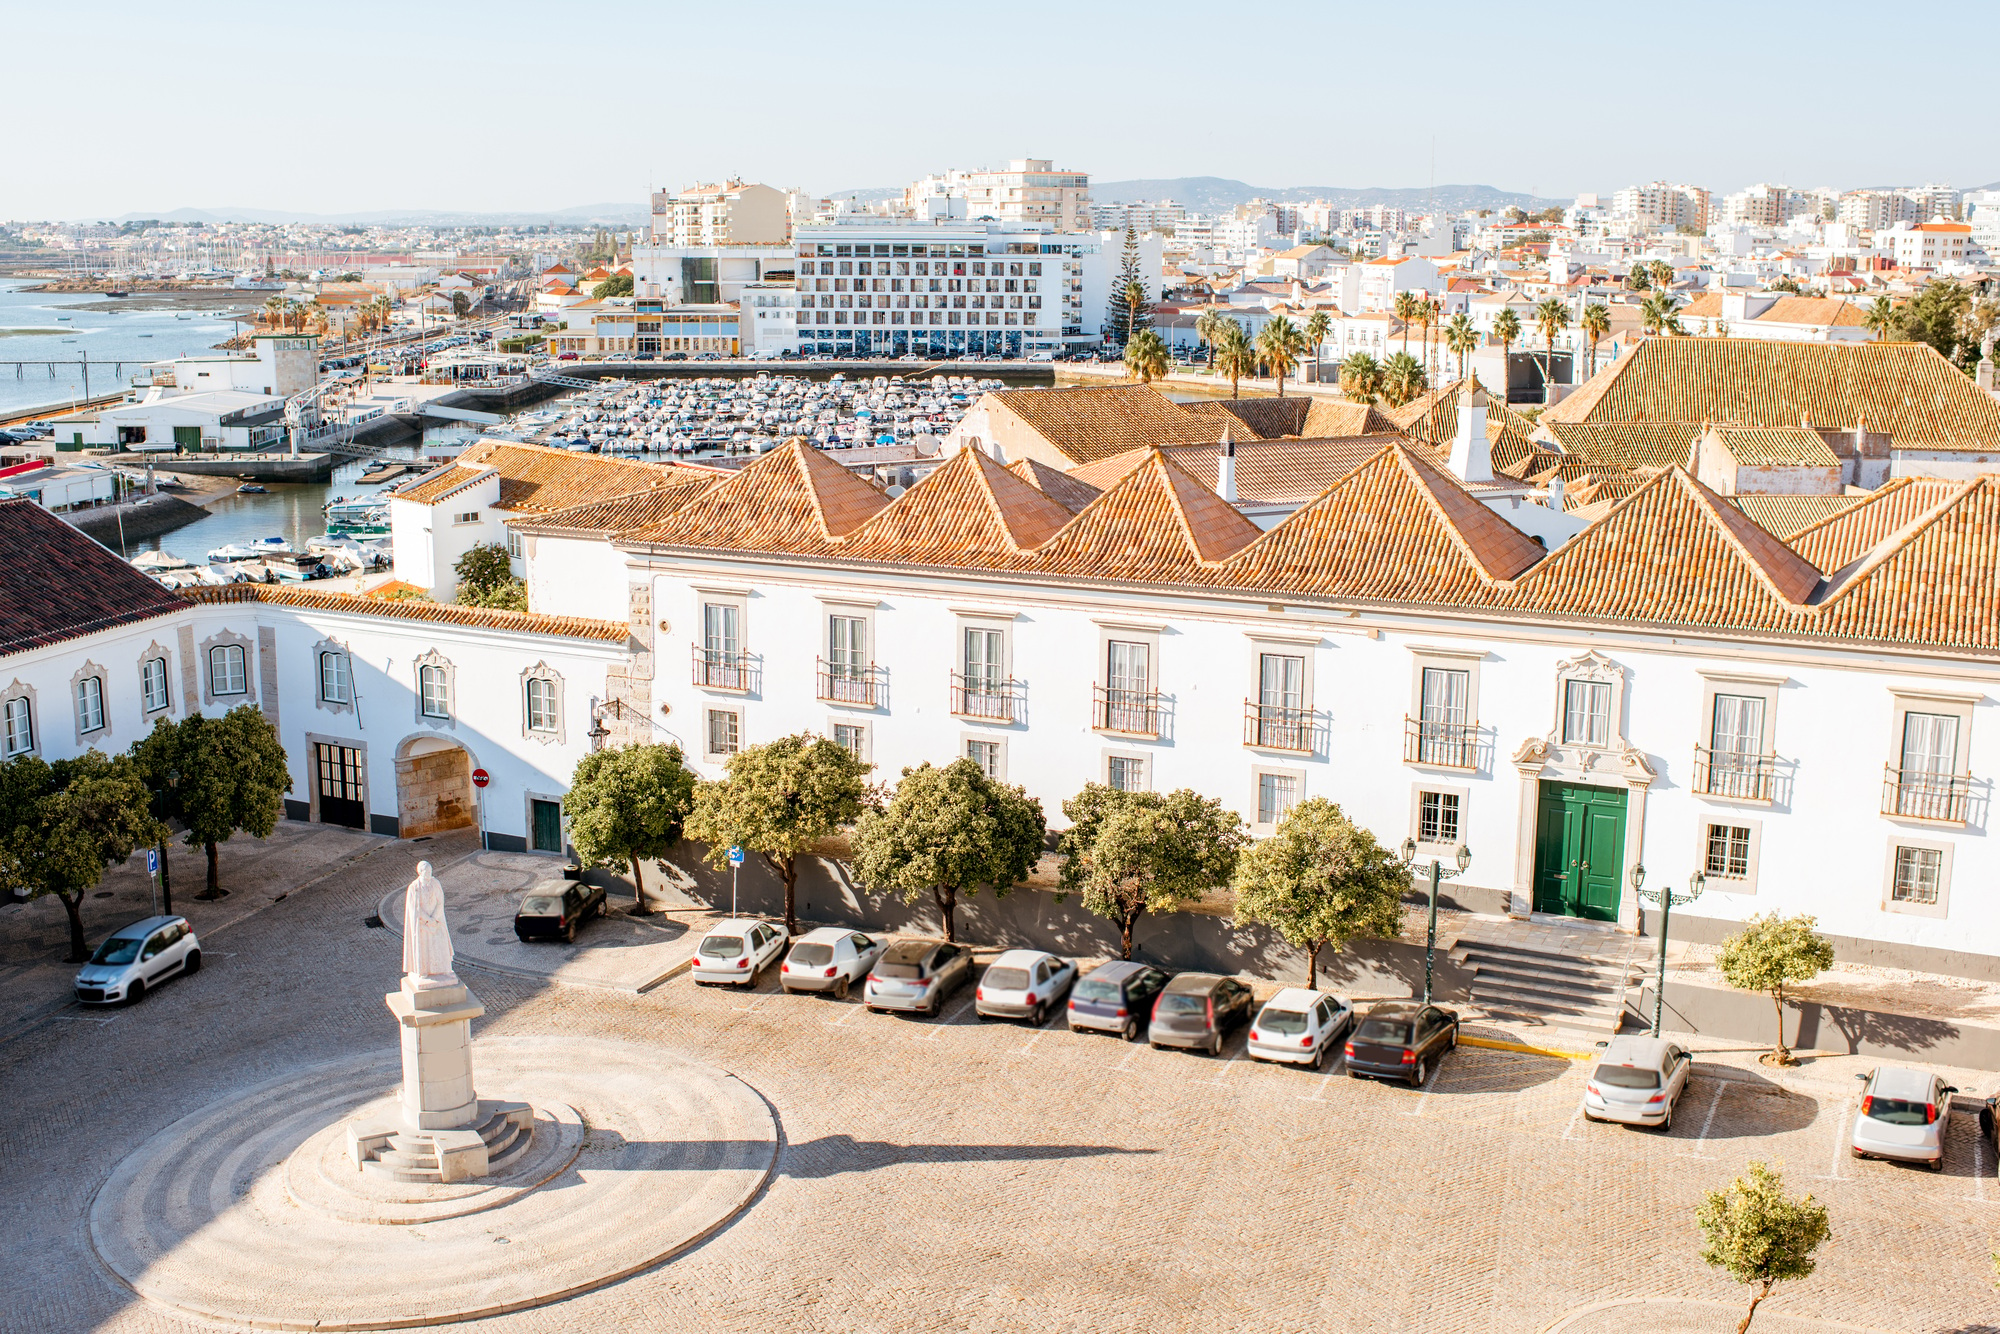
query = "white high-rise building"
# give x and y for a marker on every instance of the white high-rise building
(1875, 210)
(1030, 192)
(729, 213)
(1933, 201)
(1662, 206)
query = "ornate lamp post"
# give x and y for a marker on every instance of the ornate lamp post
(1438, 872)
(1668, 901)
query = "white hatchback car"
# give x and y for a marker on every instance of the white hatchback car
(736, 950)
(1299, 1027)
(1638, 1082)
(1023, 984)
(829, 959)
(137, 957)
(1903, 1116)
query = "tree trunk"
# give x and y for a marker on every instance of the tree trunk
(215, 889)
(947, 904)
(639, 908)
(72, 904)
(1751, 1314)
(1784, 1056)
(166, 883)
(788, 867)
(1125, 926)
(1312, 966)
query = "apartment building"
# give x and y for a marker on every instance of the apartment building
(1029, 192)
(1767, 206)
(1662, 206)
(1929, 245)
(1142, 216)
(1876, 210)
(726, 214)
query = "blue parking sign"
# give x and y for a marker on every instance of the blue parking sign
(152, 861)
(736, 855)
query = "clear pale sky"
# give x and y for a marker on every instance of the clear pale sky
(346, 106)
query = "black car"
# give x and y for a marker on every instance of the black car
(1401, 1040)
(1199, 1010)
(547, 915)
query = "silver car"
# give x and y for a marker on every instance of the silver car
(829, 959)
(138, 957)
(917, 975)
(1903, 1116)
(1638, 1082)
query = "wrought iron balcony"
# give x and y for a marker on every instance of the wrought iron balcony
(1277, 727)
(846, 683)
(1741, 775)
(992, 698)
(715, 669)
(1921, 794)
(1440, 745)
(1126, 712)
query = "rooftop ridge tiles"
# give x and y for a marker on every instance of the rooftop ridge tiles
(569, 627)
(1841, 582)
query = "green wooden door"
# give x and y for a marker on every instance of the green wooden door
(1580, 851)
(545, 835)
(188, 437)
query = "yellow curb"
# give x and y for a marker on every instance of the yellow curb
(1496, 1045)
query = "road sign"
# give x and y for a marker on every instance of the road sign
(152, 861)
(736, 856)
(480, 778)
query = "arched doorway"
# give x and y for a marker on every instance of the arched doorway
(433, 786)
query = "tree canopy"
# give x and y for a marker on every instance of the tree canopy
(949, 831)
(1759, 1235)
(1321, 880)
(1770, 953)
(1279, 346)
(1235, 355)
(61, 824)
(1136, 852)
(233, 776)
(627, 805)
(1146, 356)
(1935, 315)
(618, 284)
(486, 579)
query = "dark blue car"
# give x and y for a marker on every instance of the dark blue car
(1116, 997)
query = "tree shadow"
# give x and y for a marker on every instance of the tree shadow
(1876, 1029)
(1777, 1110)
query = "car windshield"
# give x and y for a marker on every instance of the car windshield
(722, 947)
(1898, 1112)
(1627, 1077)
(1096, 989)
(1395, 1032)
(1179, 1004)
(1007, 979)
(1282, 1021)
(812, 955)
(118, 949)
(541, 905)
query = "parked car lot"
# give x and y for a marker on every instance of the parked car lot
(1023, 984)
(1300, 1027)
(737, 950)
(135, 958)
(1199, 1010)
(829, 959)
(1637, 1081)
(1116, 997)
(1401, 1040)
(917, 975)
(546, 916)
(1903, 1116)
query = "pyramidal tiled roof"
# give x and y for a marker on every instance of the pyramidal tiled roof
(1937, 581)
(1397, 528)
(1433, 418)
(1627, 444)
(1784, 517)
(1865, 523)
(971, 511)
(1155, 522)
(1334, 418)
(1090, 421)
(1674, 552)
(794, 499)
(1066, 489)
(623, 514)
(1779, 446)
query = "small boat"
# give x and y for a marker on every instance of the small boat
(253, 489)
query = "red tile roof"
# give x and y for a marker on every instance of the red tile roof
(57, 584)
(410, 609)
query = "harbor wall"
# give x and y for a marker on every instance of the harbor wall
(147, 516)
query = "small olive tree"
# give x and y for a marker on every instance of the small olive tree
(233, 776)
(627, 806)
(486, 579)
(61, 824)
(1134, 852)
(1759, 1235)
(1771, 952)
(949, 831)
(778, 800)
(1320, 880)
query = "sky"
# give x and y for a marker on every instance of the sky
(502, 106)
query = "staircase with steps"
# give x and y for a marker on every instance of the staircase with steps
(1561, 976)
(505, 1128)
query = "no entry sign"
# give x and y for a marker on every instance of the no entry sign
(480, 778)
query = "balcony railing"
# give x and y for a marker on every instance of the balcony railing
(1126, 712)
(1277, 727)
(715, 669)
(1742, 775)
(1918, 794)
(1440, 745)
(991, 698)
(846, 683)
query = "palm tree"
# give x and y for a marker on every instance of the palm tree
(1135, 301)
(1146, 356)
(1551, 317)
(1235, 356)
(1402, 379)
(1427, 313)
(1507, 328)
(1596, 323)
(1880, 318)
(1208, 328)
(1361, 377)
(1406, 311)
(1640, 277)
(1663, 274)
(1279, 344)
(1317, 325)
(274, 309)
(1659, 315)
(1462, 336)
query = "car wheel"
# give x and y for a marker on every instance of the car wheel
(1319, 1057)
(1667, 1121)
(1215, 1045)
(134, 992)
(193, 962)
(840, 988)
(1421, 1073)
(569, 934)
(1131, 1030)
(935, 1007)
(1936, 1164)
(1355, 1074)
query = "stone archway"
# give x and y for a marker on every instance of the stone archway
(433, 786)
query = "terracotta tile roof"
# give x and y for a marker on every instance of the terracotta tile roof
(1813, 310)
(312, 599)
(1595, 488)
(1396, 529)
(971, 511)
(1093, 421)
(793, 499)
(1433, 419)
(1626, 444)
(1280, 472)
(1066, 489)
(56, 584)
(1266, 418)
(1865, 522)
(1906, 389)
(435, 487)
(622, 514)
(1785, 516)
(1778, 446)
(1937, 581)
(1335, 419)
(1154, 523)
(537, 478)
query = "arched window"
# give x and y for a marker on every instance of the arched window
(90, 704)
(541, 704)
(336, 684)
(226, 674)
(434, 685)
(20, 729)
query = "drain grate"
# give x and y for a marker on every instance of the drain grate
(373, 921)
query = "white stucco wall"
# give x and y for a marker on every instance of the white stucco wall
(569, 576)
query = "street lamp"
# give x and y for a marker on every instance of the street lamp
(1668, 901)
(1438, 872)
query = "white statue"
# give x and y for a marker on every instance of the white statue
(427, 952)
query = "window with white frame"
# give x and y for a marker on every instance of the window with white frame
(1728, 855)
(470, 516)
(20, 726)
(153, 684)
(724, 732)
(90, 704)
(847, 647)
(1443, 715)
(1438, 817)
(1919, 876)
(985, 754)
(1276, 794)
(226, 671)
(721, 631)
(434, 690)
(336, 682)
(1126, 773)
(541, 704)
(1587, 713)
(852, 738)
(514, 549)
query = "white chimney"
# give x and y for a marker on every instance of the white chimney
(1225, 469)
(1556, 493)
(1471, 454)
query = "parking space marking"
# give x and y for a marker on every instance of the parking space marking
(1701, 1139)
(847, 1018)
(1424, 1097)
(1978, 1168)
(1225, 1068)
(1318, 1093)
(1023, 1051)
(1574, 1117)
(1124, 1067)
(930, 1033)
(1839, 1141)
(93, 1018)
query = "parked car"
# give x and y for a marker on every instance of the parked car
(1116, 997)
(1299, 1027)
(829, 959)
(1023, 984)
(1903, 1116)
(1638, 1082)
(134, 958)
(917, 975)
(736, 950)
(546, 916)
(566, 356)
(1401, 1040)
(1199, 1010)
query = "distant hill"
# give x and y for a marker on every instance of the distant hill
(1211, 194)
(609, 215)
